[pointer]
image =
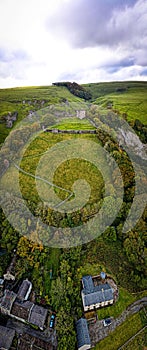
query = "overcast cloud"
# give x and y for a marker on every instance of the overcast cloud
(43, 41)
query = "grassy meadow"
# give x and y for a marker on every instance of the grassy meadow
(67, 173)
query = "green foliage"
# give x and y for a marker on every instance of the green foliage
(110, 234)
(65, 297)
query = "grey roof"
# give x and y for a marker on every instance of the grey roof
(31, 342)
(22, 310)
(83, 337)
(38, 316)
(8, 300)
(88, 284)
(95, 294)
(101, 293)
(6, 337)
(24, 290)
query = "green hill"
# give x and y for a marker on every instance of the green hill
(26, 99)
(127, 98)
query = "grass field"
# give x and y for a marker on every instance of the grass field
(67, 173)
(74, 124)
(126, 97)
(25, 99)
(138, 343)
(123, 333)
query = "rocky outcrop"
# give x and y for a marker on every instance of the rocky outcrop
(10, 118)
(132, 141)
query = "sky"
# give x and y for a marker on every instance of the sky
(44, 41)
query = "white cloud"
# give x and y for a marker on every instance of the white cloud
(33, 53)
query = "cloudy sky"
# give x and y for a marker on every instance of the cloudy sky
(43, 41)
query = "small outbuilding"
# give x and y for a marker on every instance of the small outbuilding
(83, 338)
(24, 290)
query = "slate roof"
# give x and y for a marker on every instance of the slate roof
(88, 284)
(29, 342)
(83, 337)
(6, 337)
(30, 312)
(95, 294)
(22, 310)
(38, 316)
(8, 300)
(24, 290)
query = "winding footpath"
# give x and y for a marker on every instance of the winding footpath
(47, 182)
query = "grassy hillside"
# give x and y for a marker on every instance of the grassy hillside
(26, 99)
(128, 98)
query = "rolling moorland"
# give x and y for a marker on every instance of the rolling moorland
(123, 256)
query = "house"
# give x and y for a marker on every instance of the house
(29, 312)
(29, 342)
(7, 301)
(17, 306)
(24, 290)
(83, 338)
(21, 311)
(38, 316)
(6, 337)
(94, 297)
